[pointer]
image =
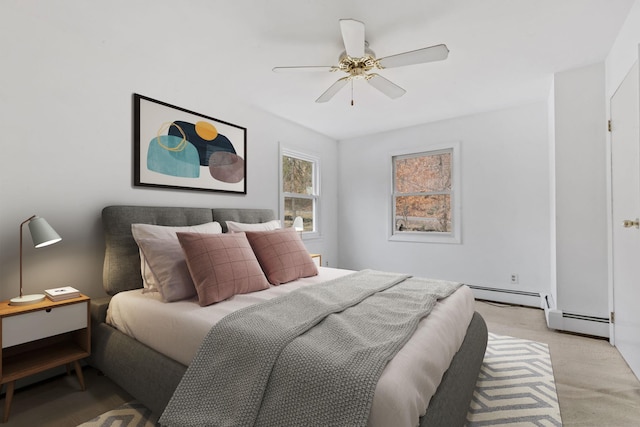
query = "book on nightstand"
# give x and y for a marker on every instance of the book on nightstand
(59, 294)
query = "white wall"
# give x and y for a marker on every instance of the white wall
(69, 71)
(505, 201)
(65, 112)
(580, 191)
(624, 52)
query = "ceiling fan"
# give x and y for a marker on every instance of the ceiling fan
(358, 60)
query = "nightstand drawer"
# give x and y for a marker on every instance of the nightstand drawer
(35, 325)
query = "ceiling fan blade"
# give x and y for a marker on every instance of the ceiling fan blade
(385, 86)
(420, 56)
(303, 68)
(353, 37)
(333, 89)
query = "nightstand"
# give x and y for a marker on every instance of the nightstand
(317, 258)
(42, 336)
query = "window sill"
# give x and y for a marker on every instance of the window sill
(448, 238)
(307, 235)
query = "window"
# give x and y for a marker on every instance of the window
(300, 190)
(424, 199)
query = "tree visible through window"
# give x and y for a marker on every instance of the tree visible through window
(422, 192)
(300, 190)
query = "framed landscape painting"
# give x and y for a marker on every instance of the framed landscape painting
(181, 149)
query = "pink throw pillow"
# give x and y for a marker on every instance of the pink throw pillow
(282, 255)
(221, 265)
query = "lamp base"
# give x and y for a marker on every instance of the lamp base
(27, 299)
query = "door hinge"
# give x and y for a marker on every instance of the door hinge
(612, 317)
(609, 125)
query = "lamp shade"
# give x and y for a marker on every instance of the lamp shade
(42, 233)
(297, 224)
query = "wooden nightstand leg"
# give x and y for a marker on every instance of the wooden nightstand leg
(7, 401)
(79, 374)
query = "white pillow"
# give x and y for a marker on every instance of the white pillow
(156, 237)
(237, 227)
(168, 268)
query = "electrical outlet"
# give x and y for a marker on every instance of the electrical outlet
(514, 278)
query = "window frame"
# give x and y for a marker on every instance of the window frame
(315, 197)
(455, 235)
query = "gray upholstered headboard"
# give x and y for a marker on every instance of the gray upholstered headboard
(122, 260)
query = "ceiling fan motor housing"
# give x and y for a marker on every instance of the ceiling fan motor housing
(358, 67)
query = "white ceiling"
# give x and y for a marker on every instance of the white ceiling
(502, 53)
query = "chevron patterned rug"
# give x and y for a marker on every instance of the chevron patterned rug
(515, 387)
(131, 414)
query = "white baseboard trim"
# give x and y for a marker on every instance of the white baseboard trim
(571, 322)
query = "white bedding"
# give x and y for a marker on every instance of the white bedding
(405, 387)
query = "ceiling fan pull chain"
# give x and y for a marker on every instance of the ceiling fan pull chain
(352, 92)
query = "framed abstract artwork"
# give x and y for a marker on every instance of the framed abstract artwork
(181, 149)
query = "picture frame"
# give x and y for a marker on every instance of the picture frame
(175, 148)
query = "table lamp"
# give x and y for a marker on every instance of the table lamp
(298, 225)
(42, 235)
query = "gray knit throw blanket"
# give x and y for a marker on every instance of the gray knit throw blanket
(312, 357)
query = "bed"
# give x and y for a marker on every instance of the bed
(152, 374)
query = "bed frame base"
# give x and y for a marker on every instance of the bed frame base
(151, 377)
(450, 404)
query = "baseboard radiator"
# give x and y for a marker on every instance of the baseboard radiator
(509, 296)
(556, 319)
(573, 322)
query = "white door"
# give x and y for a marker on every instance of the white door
(625, 182)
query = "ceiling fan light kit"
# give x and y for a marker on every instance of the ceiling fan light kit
(358, 60)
